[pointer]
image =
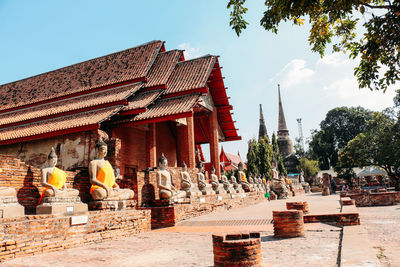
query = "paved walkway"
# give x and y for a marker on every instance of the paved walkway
(190, 244)
(383, 226)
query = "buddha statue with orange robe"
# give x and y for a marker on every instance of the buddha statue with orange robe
(102, 177)
(242, 178)
(54, 180)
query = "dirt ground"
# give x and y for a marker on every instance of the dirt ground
(189, 244)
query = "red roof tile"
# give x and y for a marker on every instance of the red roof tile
(190, 74)
(94, 99)
(162, 68)
(142, 100)
(57, 124)
(171, 106)
(130, 64)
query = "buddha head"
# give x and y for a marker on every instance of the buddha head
(101, 148)
(200, 166)
(240, 166)
(184, 167)
(273, 164)
(162, 162)
(52, 158)
(213, 170)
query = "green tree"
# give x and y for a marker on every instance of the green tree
(252, 157)
(265, 156)
(378, 145)
(277, 156)
(309, 168)
(340, 126)
(354, 154)
(338, 22)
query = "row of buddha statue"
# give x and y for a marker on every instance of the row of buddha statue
(56, 198)
(188, 188)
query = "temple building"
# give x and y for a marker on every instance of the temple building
(284, 142)
(144, 100)
(230, 161)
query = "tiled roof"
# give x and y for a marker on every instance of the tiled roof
(57, 124)
(67, 105)
(234, 159)
(130, 64)
(162, 68)
(190, 74)
(142, 100)
(169, 106)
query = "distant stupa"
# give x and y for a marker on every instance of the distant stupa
(262, 130)
(284, 142)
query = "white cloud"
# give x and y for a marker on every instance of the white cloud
(190, 52)
(294, 73)
(335, 75)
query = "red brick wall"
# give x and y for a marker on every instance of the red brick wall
(40, 234)
(133, 147)
(166, 142)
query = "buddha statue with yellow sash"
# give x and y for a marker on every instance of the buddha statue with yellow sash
(242, 178)
(54, 180)
(102, 177)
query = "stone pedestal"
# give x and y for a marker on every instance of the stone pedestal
(218, 189)
(238, 188)
(229, 188)
(9, 208)
(192, 191)
(70, 206)
(111, 204)
(207, 191)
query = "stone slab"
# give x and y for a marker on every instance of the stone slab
(356, 248)
(79, 220)
(11, 211)
(66, 209)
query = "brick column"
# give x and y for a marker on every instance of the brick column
(214, 144)
(186, 146)
(151, 151)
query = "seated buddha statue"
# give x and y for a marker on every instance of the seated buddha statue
(278, 184)
(216, 186)
(203, 186)
(102, 177)
(186, 182)
(253, 186)
(228, 187)
(166, 190)
(242, 178)
(54, 180)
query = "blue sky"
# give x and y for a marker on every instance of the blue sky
(39, 36)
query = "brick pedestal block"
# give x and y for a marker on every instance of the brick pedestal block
(288, 223)
(242, 249)
(298, 206)
(346, 201)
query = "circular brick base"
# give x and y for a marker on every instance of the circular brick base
(288, 223)
(298, 206)
(241, 249)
